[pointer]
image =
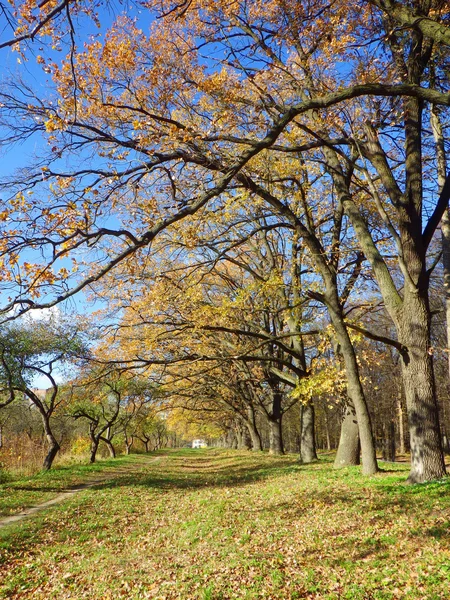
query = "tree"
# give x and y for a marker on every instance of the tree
(172, 134)
(108, 400)
(39, 349)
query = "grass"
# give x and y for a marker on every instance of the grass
(212, 524)
(18, 493)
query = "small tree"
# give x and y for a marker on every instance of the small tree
(32, 349)
(108, 400)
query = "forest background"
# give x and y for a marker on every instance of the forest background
(254, 197)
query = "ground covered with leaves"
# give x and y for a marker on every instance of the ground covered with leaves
(214, 524)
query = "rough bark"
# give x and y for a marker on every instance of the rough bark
(427, 457)
(245, 442)
(348, 452)
(308, 452)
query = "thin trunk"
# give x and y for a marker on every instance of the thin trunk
(401, 429)
(327, 430)
(128, 445)
(53, 446)
(94, 448)
(252, 429)
(308, 452)
(389, 441)
(111, 449)
(356, 393)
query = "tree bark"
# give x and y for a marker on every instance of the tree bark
(308, 452)
(401, 430)
(327, 430)
(94, 448)
(245, 442)
(348, 452)
(253, 431)
(128, 445)
(389, 441)
(53, 449)
(427, 457)
(275, 437)
(53, 446)
(111, 449)
(274, 421)
(355, 392)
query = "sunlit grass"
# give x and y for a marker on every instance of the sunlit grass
(213, 524)
(18, 493)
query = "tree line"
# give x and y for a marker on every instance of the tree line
(254, 190)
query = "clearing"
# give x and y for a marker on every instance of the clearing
(216, 524)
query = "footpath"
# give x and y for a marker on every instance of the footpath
(76, 489)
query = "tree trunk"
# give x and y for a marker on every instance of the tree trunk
(308, 452)
(275, 437)
(427, 458)
(94, 448)
(111, 449)
(274, 421)
(401, 430)
(349, 447)
(327, 430)
(439, 138)
(232, 441)
(246, 440)
(53, 446)
(389, 441)
(253, 431)
(238, 435)
(356, 393)
(128, 445)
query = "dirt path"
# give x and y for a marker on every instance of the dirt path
(68, 493)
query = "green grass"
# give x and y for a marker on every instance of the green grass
(16, 494)
(211, 525)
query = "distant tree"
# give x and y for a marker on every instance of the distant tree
(108, 400)
(31, 349)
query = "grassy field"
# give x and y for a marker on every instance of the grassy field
(211, 524)
(18, 494)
